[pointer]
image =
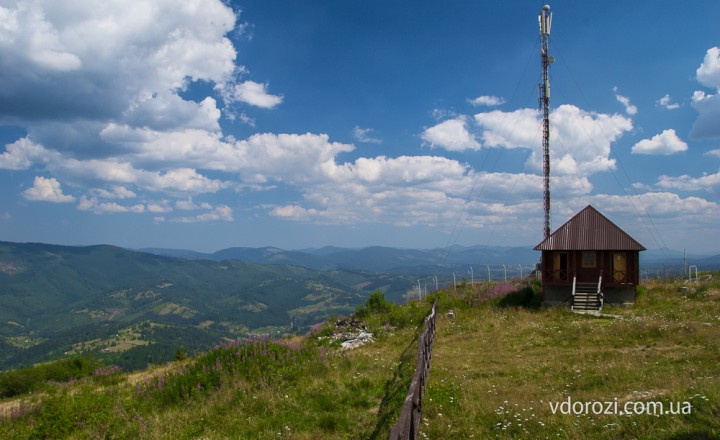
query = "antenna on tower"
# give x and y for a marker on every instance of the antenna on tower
(545, 20)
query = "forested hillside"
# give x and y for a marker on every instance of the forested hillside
(138, 308)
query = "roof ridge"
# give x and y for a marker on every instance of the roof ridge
(589, 229)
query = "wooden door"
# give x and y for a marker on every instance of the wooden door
(619, 267)
(560, 266)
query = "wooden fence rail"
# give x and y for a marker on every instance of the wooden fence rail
(408, 424)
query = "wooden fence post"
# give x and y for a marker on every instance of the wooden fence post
(408, 424)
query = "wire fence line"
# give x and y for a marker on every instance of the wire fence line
(667, 272)
(478, 273)
(474, 274)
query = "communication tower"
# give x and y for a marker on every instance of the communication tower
(545, 20)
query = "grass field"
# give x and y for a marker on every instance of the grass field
(499, 367)
(498, 371)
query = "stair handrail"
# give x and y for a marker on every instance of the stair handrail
(572, 304)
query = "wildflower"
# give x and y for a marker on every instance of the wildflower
(161, 382)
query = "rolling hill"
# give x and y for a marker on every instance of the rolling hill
(138, 307)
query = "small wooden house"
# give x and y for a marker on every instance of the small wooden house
(589, 261)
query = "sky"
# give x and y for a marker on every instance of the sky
(207, 124)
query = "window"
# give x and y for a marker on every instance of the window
(589, 259)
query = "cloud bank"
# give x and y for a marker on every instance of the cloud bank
(125, 108)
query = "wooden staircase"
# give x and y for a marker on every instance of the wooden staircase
(587, 296)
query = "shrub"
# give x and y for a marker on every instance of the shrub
(526, 297)
(16, 382)
(375, 304)
(180, 354)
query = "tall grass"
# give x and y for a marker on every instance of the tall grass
(305, 388)
(497, 368)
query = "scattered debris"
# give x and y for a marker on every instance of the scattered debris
(349, 323)
(643, 395)
(451, 314)
(351, 333)
(351, 340)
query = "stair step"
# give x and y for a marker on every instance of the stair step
(586, 300)
(586, 296)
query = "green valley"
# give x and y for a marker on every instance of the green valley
(133, 308)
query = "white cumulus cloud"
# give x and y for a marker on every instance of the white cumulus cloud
(21, 154)
(707, 105)
(47, 190)
(365, 135)
(113, 192)
(664, 205)
(706, 182)
(665, 143)
(489, 101)
(624, 100)
(218, 213)
(580, 141)
(94, 205)
(159, 207)
(253, 93)
(667, 103)
(708, 74)
(98, 59)
(451, 135)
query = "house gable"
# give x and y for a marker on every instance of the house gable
(589, 230)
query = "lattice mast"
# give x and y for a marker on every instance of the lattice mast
(545, 20)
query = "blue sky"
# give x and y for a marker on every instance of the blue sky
(206, 124)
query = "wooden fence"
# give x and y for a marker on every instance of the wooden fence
(408, 424)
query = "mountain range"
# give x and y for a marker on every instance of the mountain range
(378, 259)
(138, 307)
(423, 262)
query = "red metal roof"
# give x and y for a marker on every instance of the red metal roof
(589, 230)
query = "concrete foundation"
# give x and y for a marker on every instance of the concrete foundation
(561, 295)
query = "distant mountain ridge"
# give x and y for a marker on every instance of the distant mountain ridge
(381, 259)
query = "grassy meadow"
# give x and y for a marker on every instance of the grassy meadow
(498, 364)
(497, 369)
